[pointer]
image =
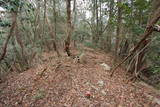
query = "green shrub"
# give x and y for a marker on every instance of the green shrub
(89, 44)
(5, 23)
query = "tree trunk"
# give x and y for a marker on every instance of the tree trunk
(110, 25)
(101, 20)
(55, 19)
(69, 28)
(119, 22)
(75, 14)
(74, 20)
(97, 23)
(44, 25)
(14, 21)
(52, 34)
(93, 21)
(140, 45)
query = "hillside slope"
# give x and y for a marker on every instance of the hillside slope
(60, 82)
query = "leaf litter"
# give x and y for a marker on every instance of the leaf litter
(59, 82)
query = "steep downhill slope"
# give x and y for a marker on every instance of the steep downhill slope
(60, 82)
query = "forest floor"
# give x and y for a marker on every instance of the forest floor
(59, 82)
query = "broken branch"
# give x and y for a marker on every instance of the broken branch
(148, 32)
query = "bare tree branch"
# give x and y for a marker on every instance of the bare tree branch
(14, 19)
(149, 30)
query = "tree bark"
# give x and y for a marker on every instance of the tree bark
(148, 32)
(13, 25)
(69, 29)
(55, 19)
(53, 36)
(92, 25)
(97, 23)
(75, 14)
(52, 33)
(119, 22)
(110, 25)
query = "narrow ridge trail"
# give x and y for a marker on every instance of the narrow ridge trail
(59, 82)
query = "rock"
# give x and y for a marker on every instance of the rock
(101, 83)
(106, 67)
(103, 93)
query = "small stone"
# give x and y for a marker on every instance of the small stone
(103, 92)
(106, 67)
(87, 83)
(101, 83)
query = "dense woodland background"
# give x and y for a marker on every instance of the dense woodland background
(30, 27)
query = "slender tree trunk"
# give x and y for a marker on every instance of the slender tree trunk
(97, 22)
(53, 36)
(69, 29)
(44, 24)
(119, 22)
(75, 14)
(74, 20)
(37, 24)
(140, 45)
(110, 27)
(55, 19)
(14, 21)
(101, 20)
(51, 32)
(93, 21)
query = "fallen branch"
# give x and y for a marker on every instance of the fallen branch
(42, 73)
(146, 35)
(149, 29)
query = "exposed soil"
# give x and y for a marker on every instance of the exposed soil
(60, 82)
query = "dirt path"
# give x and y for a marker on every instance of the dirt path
(62, 83)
